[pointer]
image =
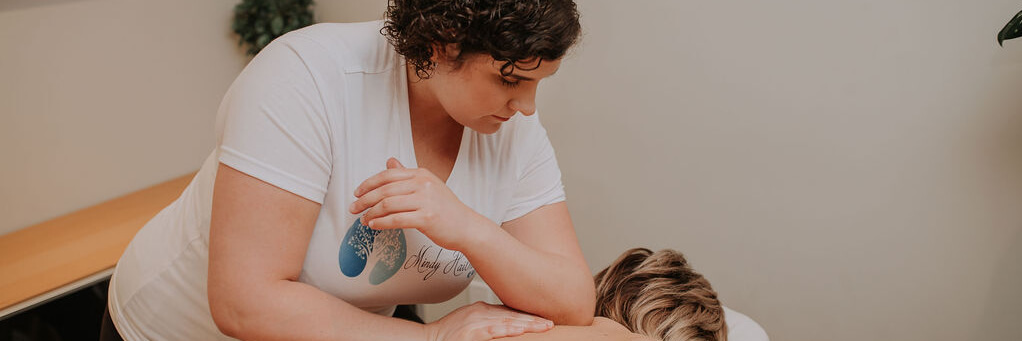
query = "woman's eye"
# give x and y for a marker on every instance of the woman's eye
(508, 83)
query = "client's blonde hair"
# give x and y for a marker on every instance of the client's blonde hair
(657, 294)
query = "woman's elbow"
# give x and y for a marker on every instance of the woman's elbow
(577, 319)
(226, 314)
(580, 311)
(584, 314)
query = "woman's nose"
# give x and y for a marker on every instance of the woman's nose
(527, 108)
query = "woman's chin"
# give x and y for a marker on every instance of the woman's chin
(487, 129)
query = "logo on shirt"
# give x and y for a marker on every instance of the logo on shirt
(428, 262)
(360, 242)
(389, 249)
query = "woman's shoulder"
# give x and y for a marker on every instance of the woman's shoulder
(356, 47)
(347, 33)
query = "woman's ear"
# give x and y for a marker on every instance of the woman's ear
(452, 50)
(443, 53)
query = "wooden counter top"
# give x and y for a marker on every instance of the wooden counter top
(39, 261)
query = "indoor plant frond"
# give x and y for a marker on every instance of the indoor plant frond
(258, 22)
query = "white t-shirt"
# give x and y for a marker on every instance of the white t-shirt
(316, 112)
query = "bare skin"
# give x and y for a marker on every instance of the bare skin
(602, 329)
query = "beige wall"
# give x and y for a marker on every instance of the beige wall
(99, 98)
(839, 170)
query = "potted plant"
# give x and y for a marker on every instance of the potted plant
(258, 22)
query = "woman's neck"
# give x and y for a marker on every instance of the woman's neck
(427, 114)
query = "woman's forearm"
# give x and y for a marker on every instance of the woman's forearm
(288, 310)
(531, 280)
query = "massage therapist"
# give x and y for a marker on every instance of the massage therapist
(361, 166)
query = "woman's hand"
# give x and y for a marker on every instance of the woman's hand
(400, 197)
(481, 321)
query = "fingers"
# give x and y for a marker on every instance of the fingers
(383, 178)
(396, 209)
(501, 310)
(514, 327)
(529, 321)
(505, 322)
(395, 172)
(502, 330)
(494, 330)
(482, 321)
(374, 197)
(394, 163)
(401, 220)
(532, 326)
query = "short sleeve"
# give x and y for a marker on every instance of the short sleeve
(539, 178)
(275, 126)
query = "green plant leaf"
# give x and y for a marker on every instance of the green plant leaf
(258, 22)
(262, 41)
(277, 25)
(1012, 30)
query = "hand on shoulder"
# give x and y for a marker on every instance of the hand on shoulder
(602, 329)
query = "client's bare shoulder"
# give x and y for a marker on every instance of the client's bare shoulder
(602, 329)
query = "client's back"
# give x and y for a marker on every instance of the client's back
(657, 294)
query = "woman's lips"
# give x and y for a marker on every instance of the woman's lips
(502, 119)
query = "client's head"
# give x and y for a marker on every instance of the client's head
(657, 294)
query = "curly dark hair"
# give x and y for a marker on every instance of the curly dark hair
(511, 31)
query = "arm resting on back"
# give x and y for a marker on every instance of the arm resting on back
(534, 264)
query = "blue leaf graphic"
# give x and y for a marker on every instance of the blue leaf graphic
(355, 248)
